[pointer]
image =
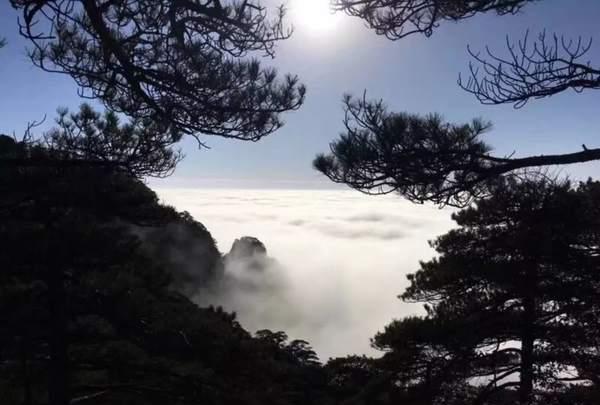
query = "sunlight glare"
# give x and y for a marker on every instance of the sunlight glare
(314, 15)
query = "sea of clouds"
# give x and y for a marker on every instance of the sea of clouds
(342, 259)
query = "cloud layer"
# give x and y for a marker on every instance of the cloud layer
(342, 259)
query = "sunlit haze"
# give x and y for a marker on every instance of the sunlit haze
(314, 16)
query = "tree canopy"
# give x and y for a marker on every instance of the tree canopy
(186, 65)
(397, 19)
(511, 301)
(91, 315)
(426, 159)
(423, 158)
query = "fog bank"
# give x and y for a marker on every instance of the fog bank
(341, 259)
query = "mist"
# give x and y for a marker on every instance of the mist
(337, 260)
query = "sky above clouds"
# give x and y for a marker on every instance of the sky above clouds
(342, 259)
(416, 74)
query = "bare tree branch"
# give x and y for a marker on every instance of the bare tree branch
(531, 70)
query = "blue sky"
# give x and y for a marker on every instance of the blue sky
(416, 74)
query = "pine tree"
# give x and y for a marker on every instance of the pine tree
(425, 158)
(191, 67)
(512, 300)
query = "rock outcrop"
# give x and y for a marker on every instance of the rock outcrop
(247, 247)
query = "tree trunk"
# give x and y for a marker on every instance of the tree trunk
(58, 383)
(527, 345)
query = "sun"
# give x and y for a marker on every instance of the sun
(314, 16)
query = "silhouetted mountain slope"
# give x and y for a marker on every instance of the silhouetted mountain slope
(186, 249)
(91, 274)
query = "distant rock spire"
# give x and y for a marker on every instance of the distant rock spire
(247, 247)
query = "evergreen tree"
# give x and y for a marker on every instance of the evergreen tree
(428, 159)
(397, 19)
(186, 65)
(512, 301)
(88, 315)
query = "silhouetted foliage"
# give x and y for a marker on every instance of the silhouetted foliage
(436, 163)
(358, 380)
(89, 139)
(138, 146)
(397, 19)
(422, 158)
(90, 315)
(181, 64)
(512, 303)
(60, 219)
(298, 351)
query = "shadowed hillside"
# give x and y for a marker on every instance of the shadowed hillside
(78, 284)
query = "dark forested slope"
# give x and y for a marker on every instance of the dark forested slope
(90, 300)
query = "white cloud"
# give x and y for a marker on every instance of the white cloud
(343, 258)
